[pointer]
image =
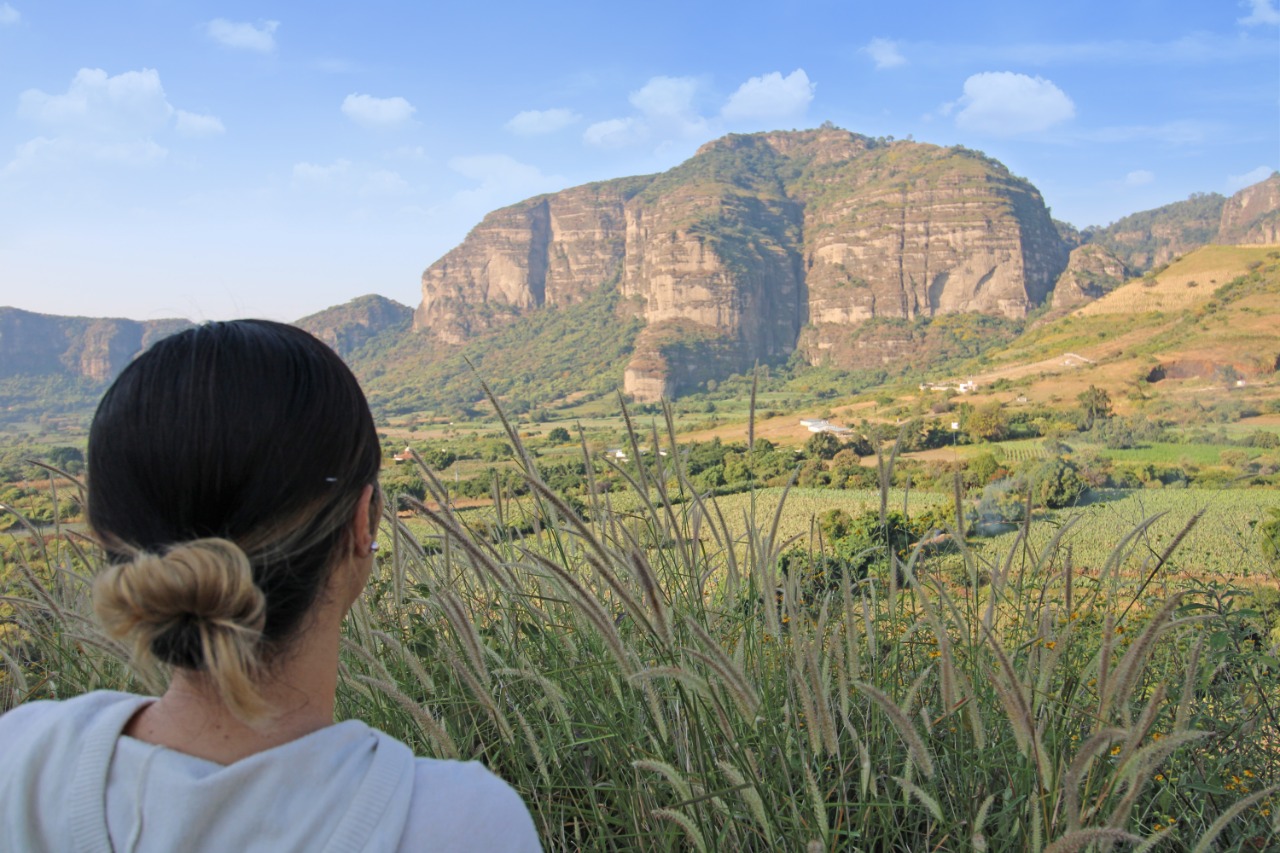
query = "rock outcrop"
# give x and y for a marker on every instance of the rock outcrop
(1252, 215)
(1092, 271)
(757, 245)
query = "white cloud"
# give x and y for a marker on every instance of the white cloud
(104, 118)
(9, 15)
(343, 178)
(62, 151)
(770, 97)
(666, 97)
(260, 38)
(536, 122)
(377, 112)
(884, 53)
(130, 103)
(1263, 12)
(666, 111)
(195, 124)
(1139, 177)
(616, 133)
(1238, 182)
(502, 180)
(1002, 103)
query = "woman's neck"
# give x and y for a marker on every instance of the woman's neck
(299, 693)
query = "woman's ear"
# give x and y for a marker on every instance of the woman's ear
(350, 578)
(364, 522)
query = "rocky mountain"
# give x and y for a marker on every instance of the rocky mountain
(351, 325)
(80, 347)
(760, 245)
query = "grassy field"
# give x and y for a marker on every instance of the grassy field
(1176, 454)
(647, 679)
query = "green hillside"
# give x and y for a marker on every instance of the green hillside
(576, 351)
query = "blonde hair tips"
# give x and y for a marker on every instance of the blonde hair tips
(196, 605)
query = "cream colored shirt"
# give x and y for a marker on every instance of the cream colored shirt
(70, 781)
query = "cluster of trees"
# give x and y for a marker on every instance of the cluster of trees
(855, 546)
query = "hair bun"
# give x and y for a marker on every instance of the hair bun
(195, 606)
(199, 580)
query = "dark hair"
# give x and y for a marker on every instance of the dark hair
(248, 431)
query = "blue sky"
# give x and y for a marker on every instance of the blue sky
(212, 160)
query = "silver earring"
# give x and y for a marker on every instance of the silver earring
(373, 546)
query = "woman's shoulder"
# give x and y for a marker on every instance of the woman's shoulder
(46, 748)
(462, 805)
(49, 738)
(75, 715)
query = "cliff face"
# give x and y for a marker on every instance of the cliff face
(758, 245)
(1253, 214)
(95, 349)
(910, 230)
(545, 251)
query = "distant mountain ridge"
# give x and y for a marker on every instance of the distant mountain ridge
(766, 244)
(1153, 237)
(823, 244)
(83, 347)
